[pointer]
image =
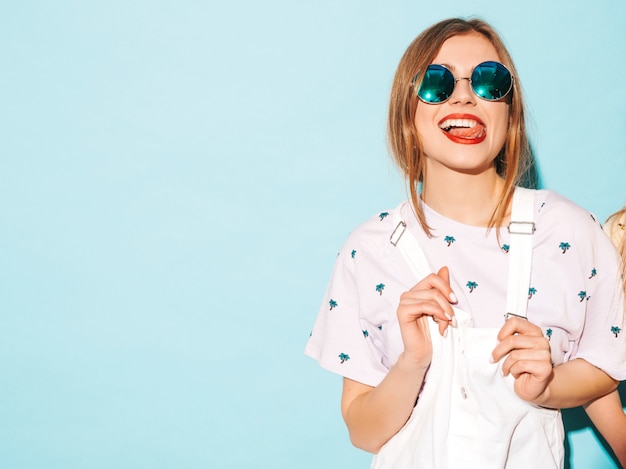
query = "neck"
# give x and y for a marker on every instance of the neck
(470, 199)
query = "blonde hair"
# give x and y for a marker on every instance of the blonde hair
(404, 144)
(615, 228)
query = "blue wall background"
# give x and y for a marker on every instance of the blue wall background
(176, 179)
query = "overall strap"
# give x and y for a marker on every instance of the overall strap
(521, 228)
(409, 247)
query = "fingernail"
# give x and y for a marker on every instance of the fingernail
(454, 323)
(445, 333)
(491, 360)
(448, 317)
(453, 298)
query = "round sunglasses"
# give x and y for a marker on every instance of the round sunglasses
(489, 81)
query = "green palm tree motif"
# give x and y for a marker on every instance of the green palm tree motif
(344, 357)
(471, 285)
(531, 292)
(365, 334)
(353, 253)
(564, 246)
(594, 272)
(449, 240)
(383, 215)
(380, 328)
(616, 330)
(549, 333)
(582, 294)
(380, 287)
(506, 247)
(333, 304)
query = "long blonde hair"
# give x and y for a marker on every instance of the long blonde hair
(616, 230)
(404, 143)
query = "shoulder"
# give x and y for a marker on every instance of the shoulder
(558, 213)
(376, 230)
(562, 222)
(553, 205)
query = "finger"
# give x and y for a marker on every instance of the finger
(519, 342)
(535, 362)
(444, 273)
(517, 325)
(413, 299)
(438, 282)
(410, 310)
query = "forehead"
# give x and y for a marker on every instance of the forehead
(465, 51)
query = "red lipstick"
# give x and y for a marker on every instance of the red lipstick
(466, 129)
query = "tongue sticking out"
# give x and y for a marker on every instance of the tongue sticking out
(464, 132)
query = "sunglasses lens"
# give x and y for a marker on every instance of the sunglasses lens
(437, 84)
(491, 80)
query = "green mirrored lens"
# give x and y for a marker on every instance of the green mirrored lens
(491, 80)
(437, 84)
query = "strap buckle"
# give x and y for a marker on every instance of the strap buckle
(508, 316)
(396, 235)
(521, 227)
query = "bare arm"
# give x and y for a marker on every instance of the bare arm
(607, 415)
(575, 383)
(374, 414)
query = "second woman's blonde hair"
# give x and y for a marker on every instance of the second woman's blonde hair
(404, 143)
(615, 228)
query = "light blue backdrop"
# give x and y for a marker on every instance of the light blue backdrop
(176, 179)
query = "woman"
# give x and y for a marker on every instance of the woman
(414, 315)
(606, 412)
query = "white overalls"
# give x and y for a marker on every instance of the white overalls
(468, 415)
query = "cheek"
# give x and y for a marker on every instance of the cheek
(501, 127)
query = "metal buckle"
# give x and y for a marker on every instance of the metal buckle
(395, 236)
(521, 227)
(508, 316)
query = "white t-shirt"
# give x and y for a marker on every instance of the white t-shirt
(575, 294)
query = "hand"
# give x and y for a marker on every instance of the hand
(429, 298)
(529, 359)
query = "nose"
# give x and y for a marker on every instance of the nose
(462, 93)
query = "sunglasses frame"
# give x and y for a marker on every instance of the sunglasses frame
(469, 79)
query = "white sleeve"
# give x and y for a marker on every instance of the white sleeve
(603, 340)
(342, 341)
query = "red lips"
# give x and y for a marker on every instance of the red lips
(465, 129)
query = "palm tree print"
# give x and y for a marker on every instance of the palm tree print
(564, 246)
(380, 328)
(615, 330)
(353, 253)
(471, 285)
(379, 288)
(383, 215)
(344, 357)
(449, 240)
(582, 294)
(365, 334)
(548, 333)
(531, 292)
(593, 273)
(332, 303)
(506, 247)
